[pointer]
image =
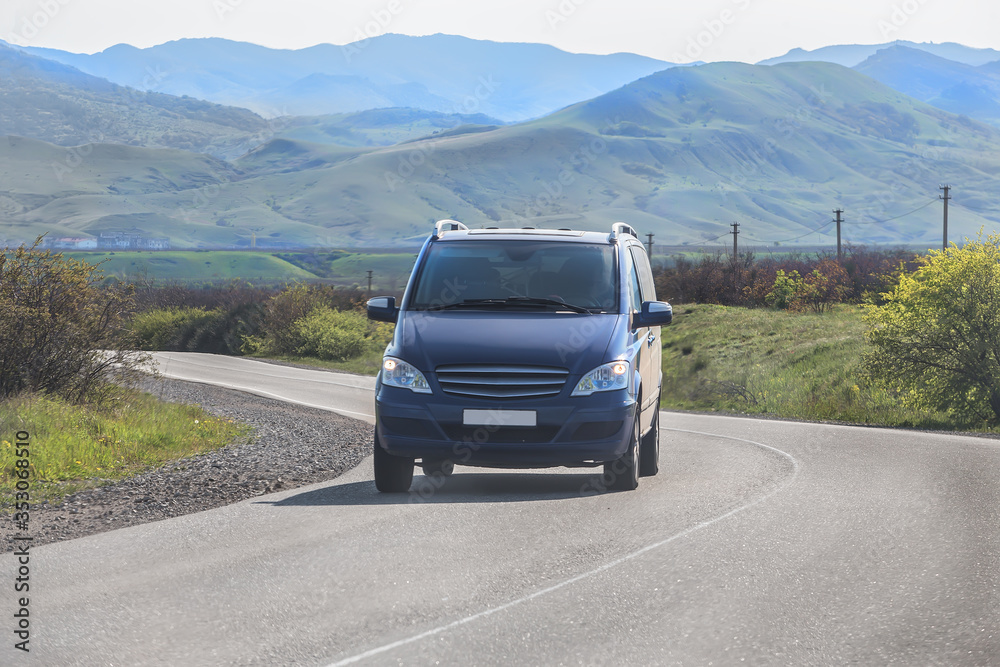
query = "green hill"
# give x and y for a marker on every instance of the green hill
(57, 103)
(681, 153)
(375, 127)
(208, 266)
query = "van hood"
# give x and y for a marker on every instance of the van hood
(577, 342)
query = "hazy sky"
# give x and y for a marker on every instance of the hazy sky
(710, 30)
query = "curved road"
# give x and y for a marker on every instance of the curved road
(760, 542)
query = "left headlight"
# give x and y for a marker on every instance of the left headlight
(606, 377)
(398, 373)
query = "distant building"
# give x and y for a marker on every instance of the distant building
(130, 241)
(69, 243)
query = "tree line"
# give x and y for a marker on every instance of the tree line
(792, 281)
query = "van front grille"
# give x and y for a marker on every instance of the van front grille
(503, 382)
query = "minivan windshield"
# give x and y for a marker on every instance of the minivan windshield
(552, 275)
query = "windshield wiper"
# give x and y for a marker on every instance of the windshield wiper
(516, 301)
(467, 303)
(542, 301)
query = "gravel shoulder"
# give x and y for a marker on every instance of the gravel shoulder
(289, 446)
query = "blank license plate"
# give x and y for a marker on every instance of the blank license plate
(499, 418)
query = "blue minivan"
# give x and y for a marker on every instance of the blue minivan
(521, 348)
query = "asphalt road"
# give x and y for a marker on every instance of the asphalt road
(760, 542)
(345, 394)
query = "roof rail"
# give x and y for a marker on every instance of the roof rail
(443, 226)
(620, 228)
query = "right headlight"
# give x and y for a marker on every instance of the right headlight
(606, 377)
(398, 373)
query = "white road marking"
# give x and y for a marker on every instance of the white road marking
(607, 566)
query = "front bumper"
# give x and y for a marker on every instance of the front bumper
(574, 431)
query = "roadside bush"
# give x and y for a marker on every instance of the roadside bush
(158, 329)
(333, 335)
(711, 279)
(791, 282)
(278, 333)
(225, 333)
(874, 271)
(155, 295)
(819, 290)
(239, 318)
(217, 331)
(61, 333)
(783, 290)
(340, 335)
(936, 337)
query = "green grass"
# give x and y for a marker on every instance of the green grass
(75, 447)
(196, 266)
(390, 270)
(795, 365)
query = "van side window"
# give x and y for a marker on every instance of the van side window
(645, 273)
(635, 296)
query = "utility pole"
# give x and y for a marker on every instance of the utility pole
(840, 255)
(369, 282)
(945, 197)
(649, 245)
(736, 266)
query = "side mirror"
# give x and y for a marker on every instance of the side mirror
(653, 314)
(382, 309)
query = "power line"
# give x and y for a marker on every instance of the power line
(796, 238)
(830, 222)
(895, 217)
(717, 237)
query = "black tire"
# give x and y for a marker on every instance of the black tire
(649, 452)
(432, 468)
(393, 474)
(623, 474)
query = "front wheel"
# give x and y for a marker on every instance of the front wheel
(393, 474)
(623, 473)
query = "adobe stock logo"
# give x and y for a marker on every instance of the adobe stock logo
(714, 28)
(31, 26)
(562, 12)
(379, 24)
(900, 16)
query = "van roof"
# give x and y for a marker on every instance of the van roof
(456, 231)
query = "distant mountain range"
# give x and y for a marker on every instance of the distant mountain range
(505, 82)
(947, 84)
(850, 55)
(949, 76)
(681, 152)
(441, 73)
